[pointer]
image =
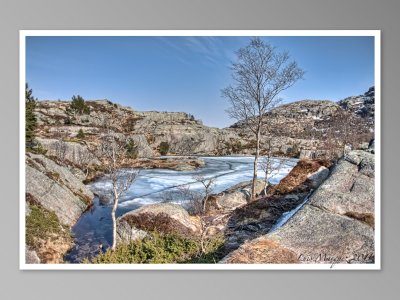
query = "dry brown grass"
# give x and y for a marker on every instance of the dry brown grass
(366, 218)
(172, 164)
(296, 180)
(52, 250)
(161, 223)
(262, 251)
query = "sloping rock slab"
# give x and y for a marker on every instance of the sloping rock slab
(348, 191)
(56, 188)
(311, 236)
(72, 151)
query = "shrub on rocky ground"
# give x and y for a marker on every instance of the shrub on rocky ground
(46, 235)
(42, 223)
(37, 149)
(161, 249)
(81, 134)
(164, 148)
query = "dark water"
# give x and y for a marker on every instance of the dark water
(94, 228)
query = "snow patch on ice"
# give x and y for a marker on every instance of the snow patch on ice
(287, 215)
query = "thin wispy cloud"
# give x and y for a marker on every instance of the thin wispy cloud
(207, 49)
(207, 46)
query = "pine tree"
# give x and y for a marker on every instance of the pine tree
(30, 118)
(131, 149)
(164, 148)
(78, 106)
(81, 134)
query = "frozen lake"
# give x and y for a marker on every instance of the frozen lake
(157, 185)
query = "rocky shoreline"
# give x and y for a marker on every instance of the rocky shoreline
(340, 213)
(326, 229)
(67, 159)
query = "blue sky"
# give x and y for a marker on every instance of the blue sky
(187, 73)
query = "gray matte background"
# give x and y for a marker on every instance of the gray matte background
(201, 14)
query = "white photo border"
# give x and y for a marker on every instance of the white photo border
(377, 82)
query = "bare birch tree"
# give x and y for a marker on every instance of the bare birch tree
(84, 157)
(269, 165)
(260, 75)
(200, 204)
(113, 152)
(208, 186)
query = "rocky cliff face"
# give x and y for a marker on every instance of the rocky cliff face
(184, 134)
(304, 128)
(316, 128)
(362, 106)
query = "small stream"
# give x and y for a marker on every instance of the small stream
(153, 186)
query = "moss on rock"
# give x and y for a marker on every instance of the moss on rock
(46, 235)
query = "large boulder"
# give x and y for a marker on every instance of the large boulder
(234, 197)
(350, 190)
(56, 188)
(167, 218)
(357, 156)
(316, 178)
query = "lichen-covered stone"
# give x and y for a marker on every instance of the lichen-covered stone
(31, 257)
(56, 188)
(234, 197)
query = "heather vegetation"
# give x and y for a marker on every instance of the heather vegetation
(161, 249)
(46, 235)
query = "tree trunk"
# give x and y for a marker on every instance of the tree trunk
(205, 204)
(267, 175)
(255, 166)
(114, 221)
(203, 234)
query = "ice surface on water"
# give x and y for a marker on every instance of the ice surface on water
(152, 186)
(227, 171)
